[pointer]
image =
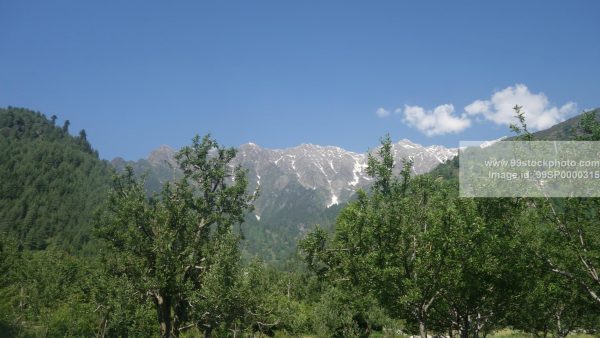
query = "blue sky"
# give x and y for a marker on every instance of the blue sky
(139, 74)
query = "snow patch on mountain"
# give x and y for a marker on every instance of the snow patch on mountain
(334, 201)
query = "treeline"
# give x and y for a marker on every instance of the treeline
(408, 257)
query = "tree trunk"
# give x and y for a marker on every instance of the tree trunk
(465, 327)
(561, 331)
(163, 311)
(208, 331)
(422, 328)
(180, 315)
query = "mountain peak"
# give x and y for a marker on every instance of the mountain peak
(162, 154)
(408, 144)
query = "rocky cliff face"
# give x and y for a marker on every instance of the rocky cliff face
(333, 173)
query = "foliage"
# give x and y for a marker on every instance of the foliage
(409, 256)
(389, 244)
(46, 293)
(50, 182)
(177, 248)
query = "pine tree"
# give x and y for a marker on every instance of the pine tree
(65, 127)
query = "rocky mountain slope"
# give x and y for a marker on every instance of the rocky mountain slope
(334, 174)
(299, 186)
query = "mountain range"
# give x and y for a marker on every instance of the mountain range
(298, 187)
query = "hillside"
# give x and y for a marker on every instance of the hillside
(50, 181)
(566, 130)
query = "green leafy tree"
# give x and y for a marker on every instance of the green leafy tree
(574, 231)
(484, 264)
(570, 224)
(389, 244)
(46, 293)
(170, 246)
(547, 305)
(563, 241)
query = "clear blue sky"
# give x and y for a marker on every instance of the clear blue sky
(138, 74)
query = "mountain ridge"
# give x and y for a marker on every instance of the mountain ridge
(299, 186)
(313, 165)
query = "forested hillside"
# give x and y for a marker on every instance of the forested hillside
(50, 181)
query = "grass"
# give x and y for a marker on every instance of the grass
(508, 333)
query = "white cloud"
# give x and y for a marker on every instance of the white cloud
(437, 122)
(478, 107)
(382, 112)
(539, 113)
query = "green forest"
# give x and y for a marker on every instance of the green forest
(88, 251)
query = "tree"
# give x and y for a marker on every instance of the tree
(564, 236)
(547, 304)
(11, 304)
(484, 263)
(65, 127)
(45, 292)
(83, 142)
(571, 224)
(168, 244)
(389, 244)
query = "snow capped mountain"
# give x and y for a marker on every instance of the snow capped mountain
(424, 158)
(298, 187)
(333, 172)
